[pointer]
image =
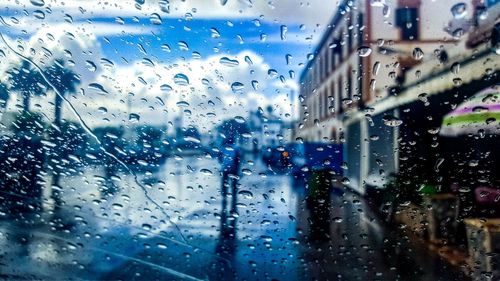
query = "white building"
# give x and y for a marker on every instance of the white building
(267, 130)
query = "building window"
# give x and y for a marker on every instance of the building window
(317, 106)
(329, 60)
(339, 47)
(317, 112)
(407, 21)
(332, 98)
(349, 33)
(325, 62)
(340, 94)
(310, 106)
(332, 54)
(360, 31)
(325, 103)
(349, 82)
(320, 68)
(320, 106)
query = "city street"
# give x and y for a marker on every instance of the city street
(112, 228)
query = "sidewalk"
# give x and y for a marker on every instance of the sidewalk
(411, 221)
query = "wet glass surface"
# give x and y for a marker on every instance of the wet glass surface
(249, 140)
(269, 230)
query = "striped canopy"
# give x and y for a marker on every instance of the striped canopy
(478, 115)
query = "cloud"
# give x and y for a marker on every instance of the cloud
(310, 12)
(311, 38)
(30, 25)
(205, 91)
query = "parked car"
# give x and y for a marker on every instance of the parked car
(300, 159)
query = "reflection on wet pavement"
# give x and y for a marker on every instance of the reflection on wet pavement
(268, 230)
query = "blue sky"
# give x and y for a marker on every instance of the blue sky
(235, 36)
(93, 30)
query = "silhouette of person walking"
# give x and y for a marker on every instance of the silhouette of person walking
(223, 265)
(230, 164)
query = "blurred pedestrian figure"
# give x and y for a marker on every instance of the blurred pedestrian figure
(230, 164)
(226, 244)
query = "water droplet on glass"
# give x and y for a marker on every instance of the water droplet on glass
(181, 79)
(386, 11)
(183, 46)
(283, 31)
(71, 246)
(240, 38)
(248, 60)
(214, 33)
(160, 101)
(91, 66)
(155, 19)
(206, 172)
(239, 119)
(457, 33)
(98, 88)
(38, 3)
(345, 181)
(376, 68)
(392, 121)
(165, 88)
(255, 85)
(166, 48)
(272, 73)
(228, 62)
(107, 64)
(117, 206)
(161, 246)
(457, 81)
(417, 53)
(364, 51)
(192, 139)
(102, 110)
(119, 20)
(459, 10)
(164, 6)
(39, 14)
(133, 117)
(237, 87)
(245, 193)
(479, 109)
(182, 104)
(482, 13)
(455, 68)
(247, 172)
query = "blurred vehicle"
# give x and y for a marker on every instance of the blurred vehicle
(299, 159)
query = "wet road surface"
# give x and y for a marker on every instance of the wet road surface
(108, 229)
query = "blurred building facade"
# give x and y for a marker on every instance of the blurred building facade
(376, 67)
(267, 129)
